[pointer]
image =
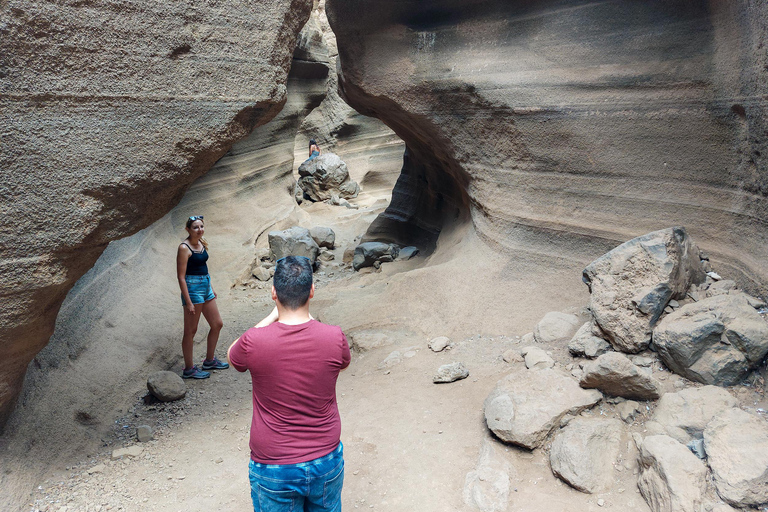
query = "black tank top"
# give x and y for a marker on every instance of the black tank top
(196, 265)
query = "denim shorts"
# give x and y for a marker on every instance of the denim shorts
(313, 486)
(199, 288)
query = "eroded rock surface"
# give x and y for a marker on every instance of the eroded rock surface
(325, 177)
(487, 486)
(108, 119)
(525, 406)
(631, 285)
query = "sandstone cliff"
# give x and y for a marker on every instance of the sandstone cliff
(564, 128)
(109, 111)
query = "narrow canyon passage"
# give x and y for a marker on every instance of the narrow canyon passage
(512, 142)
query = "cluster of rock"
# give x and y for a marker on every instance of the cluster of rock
(316, 243)
(698, 449)
(326, 178)
(654, 290)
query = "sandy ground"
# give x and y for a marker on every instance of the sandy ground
(409, 443)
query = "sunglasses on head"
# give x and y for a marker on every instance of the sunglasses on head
(196, 217)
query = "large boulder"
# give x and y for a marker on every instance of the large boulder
(614, 374)
(295, 241)
(717, 340)
(368, 253)
(525, 406)
(672, 479)
(583, 453)
(631, 285)
(555, 326)
(685, 414)
(326, 176)
(736, 443)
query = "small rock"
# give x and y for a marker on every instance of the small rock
(323, 237)
(407, 253)
(166, 386)
(261, 273)
(439, 344)
(614, 374)
(450, 373)
(326, 255)
(697, 448)
(144, 433)
(600, 502)
(555, 326)
(536, 358)
(131, 451)
(512, 355)
(643, 361)
(585, 344)
(98, 468)
(527, 338)
(714, 275)
(628, 410)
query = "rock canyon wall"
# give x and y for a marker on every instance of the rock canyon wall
(562, 128)
(109, 111)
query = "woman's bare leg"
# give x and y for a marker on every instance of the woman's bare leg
(190, 328)
(212, 316)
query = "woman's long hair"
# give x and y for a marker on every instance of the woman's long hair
(189, 225)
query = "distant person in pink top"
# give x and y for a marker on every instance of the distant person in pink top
(297, 461)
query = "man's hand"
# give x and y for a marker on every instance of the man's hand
(269, 319)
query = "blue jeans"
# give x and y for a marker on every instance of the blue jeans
(313, 486)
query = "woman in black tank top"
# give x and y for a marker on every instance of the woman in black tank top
(197, 297)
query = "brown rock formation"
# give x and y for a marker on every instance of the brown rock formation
(564, 128)
(109, 111)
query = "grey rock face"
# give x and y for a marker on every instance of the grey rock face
(672, 479)
(585, 344)
(684, 415)
(631, 285)
(487, 486)
(367, 253)
(166, 386)
(614, 374)
(450, 373)
(326, 176)
(583, 453)
(525, 406)
(295, 241)
(717, 340)
(736, 443)
(407, 253)
(323, 237)
(555, 326)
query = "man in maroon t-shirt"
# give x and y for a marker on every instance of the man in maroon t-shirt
(296, 454)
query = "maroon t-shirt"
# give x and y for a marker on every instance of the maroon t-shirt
(293, 370)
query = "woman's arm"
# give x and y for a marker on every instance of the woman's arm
(182, 257)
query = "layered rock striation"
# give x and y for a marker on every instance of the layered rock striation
(109, 112)
(561, 129)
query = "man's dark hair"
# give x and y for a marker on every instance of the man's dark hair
(293, 281)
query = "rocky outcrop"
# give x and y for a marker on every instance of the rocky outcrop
(109, 118)
(559, 130)
(631, 285)
(717, 340)
(526, 406)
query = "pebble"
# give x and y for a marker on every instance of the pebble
(600, 502)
